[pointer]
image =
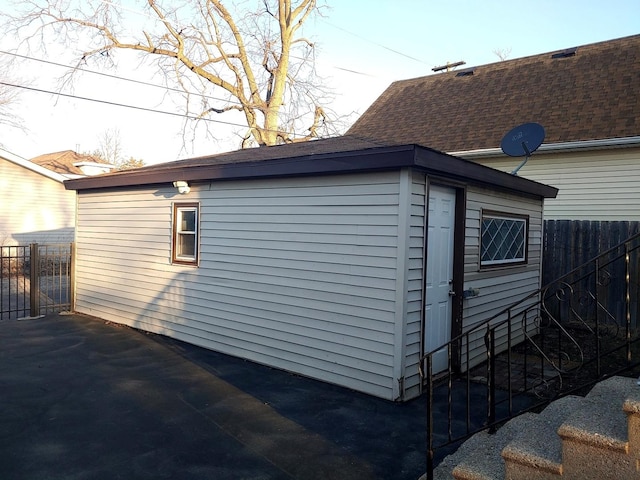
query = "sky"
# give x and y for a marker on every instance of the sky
(362, 47)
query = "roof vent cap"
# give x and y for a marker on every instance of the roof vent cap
(569, 52)
(466, 72)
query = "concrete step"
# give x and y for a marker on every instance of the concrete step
(631, 408)
(595, 437)
(479, 457)
(535, 452)
(574, 438)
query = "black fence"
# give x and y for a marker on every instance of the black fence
(578, 329)
(35, 280)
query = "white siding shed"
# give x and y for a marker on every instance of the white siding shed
(311, 258)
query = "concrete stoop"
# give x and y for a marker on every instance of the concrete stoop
(592, 438)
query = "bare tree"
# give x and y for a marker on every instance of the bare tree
(253, 61)
(110, 150)
(502, 53)
(110, 147)
(9, 99)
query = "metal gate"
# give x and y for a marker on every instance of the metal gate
(35, 280)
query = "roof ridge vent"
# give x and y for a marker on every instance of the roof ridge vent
(466, 72)
(568, 52)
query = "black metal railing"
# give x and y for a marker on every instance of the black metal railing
(35, 280)
(559, 340)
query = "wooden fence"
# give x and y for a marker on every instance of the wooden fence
(568, 244)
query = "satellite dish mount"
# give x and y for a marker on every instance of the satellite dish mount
(522, 140)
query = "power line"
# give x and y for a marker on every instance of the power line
(376, 43)
(116, 104)
(109, 75)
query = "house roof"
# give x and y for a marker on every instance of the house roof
(67, 161)
(320, 157)
(591, 92)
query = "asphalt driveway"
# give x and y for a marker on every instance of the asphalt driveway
(81, 398)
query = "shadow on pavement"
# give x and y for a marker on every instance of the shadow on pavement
(83, 398)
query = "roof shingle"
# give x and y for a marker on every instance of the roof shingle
(592, 95)
(65, 162)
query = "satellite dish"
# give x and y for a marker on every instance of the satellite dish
(522, 140)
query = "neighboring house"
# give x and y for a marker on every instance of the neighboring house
(587, 99)
(311, 257)
(36, 208)
(72, 164)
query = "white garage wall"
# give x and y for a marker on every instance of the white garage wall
(300, 274)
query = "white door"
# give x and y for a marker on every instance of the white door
(439, 301)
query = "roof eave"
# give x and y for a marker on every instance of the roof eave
(34, 167)
(383, 158)
(374, 159)
(461, 169)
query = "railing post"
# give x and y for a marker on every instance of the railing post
(429, 419)
(627, 300)
(597, 314)
(491, 381)
(34, 281)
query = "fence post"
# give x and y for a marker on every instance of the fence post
(34, 280)
(72, 277)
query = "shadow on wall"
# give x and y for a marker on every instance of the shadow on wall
(59, 235)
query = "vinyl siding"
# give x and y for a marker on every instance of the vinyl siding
(504, 286)
(597, 185)
(35, 209)
(299, 274)
(413, 334)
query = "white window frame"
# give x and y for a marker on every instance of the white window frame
(508, 217)
(177, 233)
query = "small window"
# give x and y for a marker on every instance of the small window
(185, 233)
(504, 239)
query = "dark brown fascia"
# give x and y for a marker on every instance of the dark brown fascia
(373, 159)
(314, 164)
(466, 171)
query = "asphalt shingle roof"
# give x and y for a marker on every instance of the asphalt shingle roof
(594, 94)
(65, 162)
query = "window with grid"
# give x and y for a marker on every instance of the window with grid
(503, 239)
(185, 233)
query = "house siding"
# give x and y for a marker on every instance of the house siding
(595, 185)
(300, 274)
(36, 209)
(499, 287)
(415, 285)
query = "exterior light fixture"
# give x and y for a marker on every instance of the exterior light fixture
(182, 186)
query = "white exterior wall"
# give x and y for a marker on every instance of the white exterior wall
(415, 275)
(596, 185)
(305, 274)
(499, 287)
(35, 209)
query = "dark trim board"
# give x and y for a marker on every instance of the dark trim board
(322, 157)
